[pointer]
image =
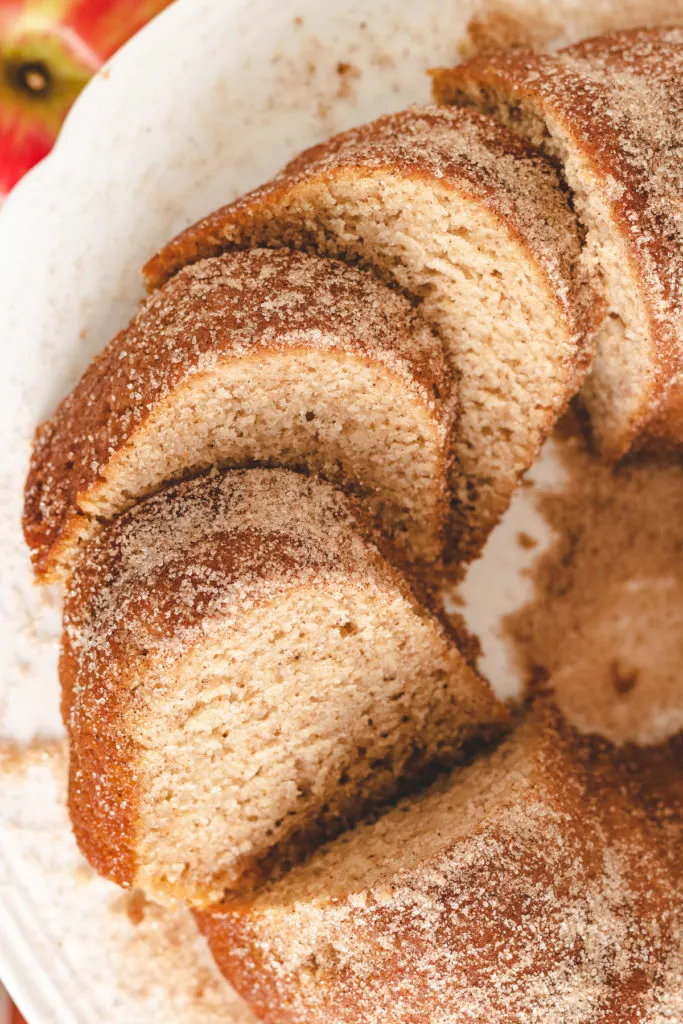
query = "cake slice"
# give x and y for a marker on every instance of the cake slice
(471, 222)
(271, 357)
(610, 112)
(243, 674)
(526, 887)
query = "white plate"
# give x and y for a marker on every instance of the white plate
(206, 102)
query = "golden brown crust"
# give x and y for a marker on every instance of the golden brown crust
(101, 788)
(156, 581)
(665, 429)
(239, 306)
(618, 100)
(543, 911)
(453, 149)
(457, 164)
(143, 591)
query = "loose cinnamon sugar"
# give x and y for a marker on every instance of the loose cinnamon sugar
(17, 758)
(498, 25)
(526, 541)
(167, 951)
(347, 73)
(136, 905)
(513, 892)
(605, 629)
(135, 961)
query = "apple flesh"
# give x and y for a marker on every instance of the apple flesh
(48, 51)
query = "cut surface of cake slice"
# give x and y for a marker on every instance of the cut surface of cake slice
(525, 888)
(472, 224)
(263, 357)
(609, 110)
(244, 672)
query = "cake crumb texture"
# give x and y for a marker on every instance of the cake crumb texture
(609, 111)
(529, 887)
(473, 225)
(261, 357)
(244, 674)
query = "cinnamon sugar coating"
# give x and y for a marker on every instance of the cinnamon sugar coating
(150, 407)
(528, 888)
(462, 151)
(611, 110)
(472, 223)
(217, 637)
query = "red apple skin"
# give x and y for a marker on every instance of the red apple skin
(49, 49)
(14, 1016)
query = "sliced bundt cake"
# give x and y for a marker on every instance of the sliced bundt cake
(471, 222)
(243, 671)
(609, 110)
(269, 357)
(656, 777)
(526, 887)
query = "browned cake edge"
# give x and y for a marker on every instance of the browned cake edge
(103, 786)
(400, 144)
(596, 789)
(553, 87)
(357, 151)
(180, 333)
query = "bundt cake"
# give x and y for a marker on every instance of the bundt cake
(266, 356)
(609, 110)
(243, 495)
(471, 222)
(656, 779)
(243, 671)
(526, 887)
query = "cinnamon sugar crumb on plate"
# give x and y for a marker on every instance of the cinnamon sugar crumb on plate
(605, 627)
